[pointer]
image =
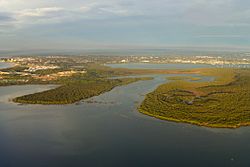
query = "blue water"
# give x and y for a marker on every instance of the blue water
(173, 66)
(158, 66)
(5, 65)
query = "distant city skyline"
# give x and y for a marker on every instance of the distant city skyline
(106, 24)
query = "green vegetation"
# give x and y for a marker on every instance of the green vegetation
(223, 103)
(189, 78)
(75, 91)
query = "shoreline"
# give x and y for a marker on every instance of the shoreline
(83, 94)
(191, 122)
(33, 88)
(202, 104)
(6, 65)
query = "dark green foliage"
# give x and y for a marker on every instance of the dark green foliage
(226, 105)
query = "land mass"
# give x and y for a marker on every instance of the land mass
(223, 103)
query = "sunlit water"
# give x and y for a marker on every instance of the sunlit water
(110, 132)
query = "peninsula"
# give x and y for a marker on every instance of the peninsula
(223, 103)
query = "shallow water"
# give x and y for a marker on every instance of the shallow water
(5, 65)
(110, 132)
(174, 66)
(158, 66)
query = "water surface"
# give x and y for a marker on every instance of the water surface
(174, 66)
(5, 65)
(158, 66)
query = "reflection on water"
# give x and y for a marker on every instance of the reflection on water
(111, 133)
(7, 95)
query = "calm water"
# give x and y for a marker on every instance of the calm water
(110, 132)
(173, 66)
(158, 66)
(5, 65)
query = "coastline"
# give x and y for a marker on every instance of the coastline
(4, 65)
(193, 122)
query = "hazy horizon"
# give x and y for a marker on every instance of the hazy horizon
(128, 52)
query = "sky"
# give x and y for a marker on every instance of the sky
(93, 24)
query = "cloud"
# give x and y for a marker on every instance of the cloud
(39, 12)
(42, 15)
(197, 12)
(170, 21)
(63, 13)
(7, 21)
(5, 18)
